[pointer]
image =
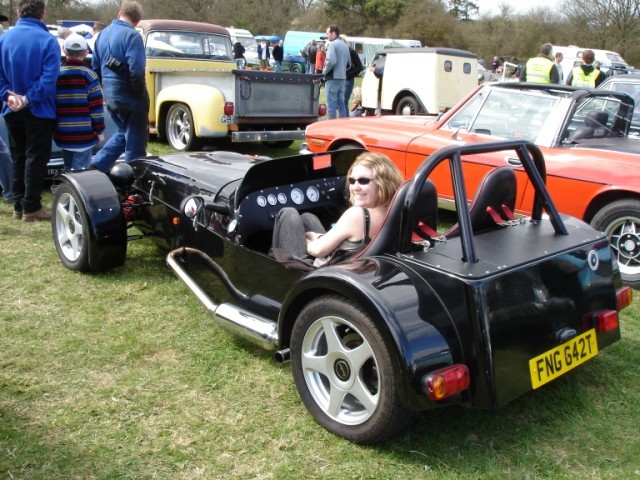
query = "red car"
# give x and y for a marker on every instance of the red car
(592, 166)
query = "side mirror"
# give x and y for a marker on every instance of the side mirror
(192, 206)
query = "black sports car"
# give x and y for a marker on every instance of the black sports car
(477, 315)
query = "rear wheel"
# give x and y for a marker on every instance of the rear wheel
(408, 106)
(296, 68)
(70, 225)
(180, 129)
(345, 373)
(621, 222)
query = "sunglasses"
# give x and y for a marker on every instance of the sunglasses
(361, 180)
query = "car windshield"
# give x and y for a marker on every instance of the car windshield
(631, 89)
(191, 45)
(506, 114)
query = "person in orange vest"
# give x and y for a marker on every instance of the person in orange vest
(586, 75)
(541, 69)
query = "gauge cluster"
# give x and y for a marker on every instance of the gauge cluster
(260, 208)
(301, 195)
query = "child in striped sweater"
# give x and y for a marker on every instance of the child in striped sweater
(79, 105)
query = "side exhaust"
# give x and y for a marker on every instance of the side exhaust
(259, 330)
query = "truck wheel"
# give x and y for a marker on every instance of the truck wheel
(296, 68)
(277, 143)
(180, 129)
(345, 373)
(620, 220)
(408, 104)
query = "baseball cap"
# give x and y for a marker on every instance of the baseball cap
(75, 42)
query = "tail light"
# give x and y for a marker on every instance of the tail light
(228, 108)
(606, 321)
(624, 297)
(322, 110)
(446, 382)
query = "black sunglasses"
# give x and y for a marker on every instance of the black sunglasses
(361, 180)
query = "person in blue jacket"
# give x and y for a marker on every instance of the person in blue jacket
(29, 68)
(119, 60)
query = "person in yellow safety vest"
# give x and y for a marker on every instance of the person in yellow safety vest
(541, 69)
(586, 75)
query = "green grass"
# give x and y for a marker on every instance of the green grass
(124, 375)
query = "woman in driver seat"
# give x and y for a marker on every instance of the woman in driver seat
(373, 180)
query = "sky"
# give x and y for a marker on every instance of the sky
(491, 6)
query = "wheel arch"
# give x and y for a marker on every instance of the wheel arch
(205, 102)
(345, 143)
(107, 229)
(406, 92)
(604, 198)
(401, 327)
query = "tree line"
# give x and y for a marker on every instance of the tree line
(605, 24)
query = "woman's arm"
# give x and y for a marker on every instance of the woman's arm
(350, 226)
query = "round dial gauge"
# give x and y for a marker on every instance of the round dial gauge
(282, 198)
(313, 194)
(271, 199)
(262, 201)
(297, 196)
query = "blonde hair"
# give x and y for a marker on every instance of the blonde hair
(385, 175)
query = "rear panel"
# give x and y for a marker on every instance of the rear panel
(534, 318)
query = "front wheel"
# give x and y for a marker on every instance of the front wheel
(620, 220)
(180, 129)
(345, 373)
(408, 106)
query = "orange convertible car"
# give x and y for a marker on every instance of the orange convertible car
(592, 167)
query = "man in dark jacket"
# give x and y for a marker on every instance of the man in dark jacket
(354, 69)
(278, 55)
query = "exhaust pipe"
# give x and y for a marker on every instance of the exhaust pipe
(282, 356)
(259, 330)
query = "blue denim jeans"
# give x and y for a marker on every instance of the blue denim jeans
(6, 171)
(335, 97)
(129, 114)
(278, 66)
(76, 160)
(348, 90)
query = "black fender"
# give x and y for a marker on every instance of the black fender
(107, 226)
(407, 310)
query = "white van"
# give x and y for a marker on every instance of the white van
(419, 80)
(248, 42)
(367, 47)
(572, 57)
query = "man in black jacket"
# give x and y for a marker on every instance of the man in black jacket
(354, 69)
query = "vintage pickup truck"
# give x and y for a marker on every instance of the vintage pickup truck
(197, 94)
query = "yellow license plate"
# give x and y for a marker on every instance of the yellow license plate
(559, 360)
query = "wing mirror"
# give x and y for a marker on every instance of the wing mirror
(192, 206)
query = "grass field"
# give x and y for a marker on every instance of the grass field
(124, 376)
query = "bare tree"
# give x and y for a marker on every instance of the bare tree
(607, 24)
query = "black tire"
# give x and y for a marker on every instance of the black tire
(296, 68)
(345, 373)
(620, 220)
(70, 224)
(409, 102)
(180, 130)
(277, 143)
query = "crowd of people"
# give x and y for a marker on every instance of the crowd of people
(43, 99)
(546, 67)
